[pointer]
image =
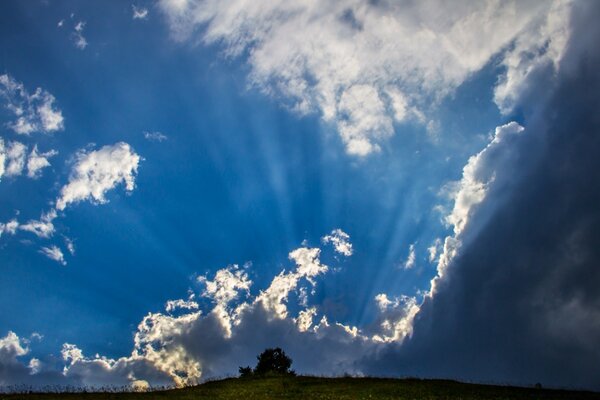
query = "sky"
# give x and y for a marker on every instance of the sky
(379, 188)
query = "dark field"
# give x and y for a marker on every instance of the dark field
(328, 388)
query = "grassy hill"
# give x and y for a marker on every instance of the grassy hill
(327, 388)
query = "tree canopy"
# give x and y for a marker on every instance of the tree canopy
(270, 361)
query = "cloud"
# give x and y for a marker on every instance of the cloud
(542, 47)
(195, 345)
(96, 172)
(42, 228)
(518, 299)
(363, 67)
(34, 112)
(38, 161)
(180, 304)
(340, 241)
(155, 136)
(395, 319)
(54, 253)
(14, 159)
(70, 245)
(9, 227)
(434, 250)
(139, 12)
(411, 259)
(78, 39)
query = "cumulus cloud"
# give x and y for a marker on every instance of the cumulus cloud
(96, 172)
(518, 299)
(340, 241)
(481, 171)
(139, 12)
(195, 345)
(364, 67)
(54, 253)
(33, 112)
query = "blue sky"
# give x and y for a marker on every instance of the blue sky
(222, 139)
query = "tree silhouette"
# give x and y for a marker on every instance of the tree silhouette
(270, 361)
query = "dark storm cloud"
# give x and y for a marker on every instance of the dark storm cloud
(521, 302)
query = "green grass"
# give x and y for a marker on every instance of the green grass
(327, 388)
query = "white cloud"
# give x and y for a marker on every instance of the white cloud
(9, 227)
(395, 319)
(363, 66)
(155, 136)
(479, 174)
(434, 250)
(139, 12)
(54, 253)
(226, 285)
(11, 347)
(96, 172)
(186, 348)
(70, 245)
(340, 241)
(411, 259)
(34, 112)
(78, 39)
(14, 159)
(541, 46)
(38, 161)
(180, 304)
(308, 266)
(43, 228)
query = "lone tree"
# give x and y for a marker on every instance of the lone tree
(270, 362)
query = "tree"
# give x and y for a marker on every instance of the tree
(270, 361)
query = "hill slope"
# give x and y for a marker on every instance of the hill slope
(327, 388)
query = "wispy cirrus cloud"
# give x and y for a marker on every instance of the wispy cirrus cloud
(54, 253)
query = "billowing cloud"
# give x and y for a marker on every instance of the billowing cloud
(518, 300)
(193, 345)
(96, 172)
(365, 67)
(33, 112)
(54, 253)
